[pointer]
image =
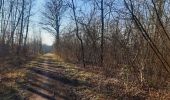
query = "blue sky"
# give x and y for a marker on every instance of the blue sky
(47, 38)
(36, 18)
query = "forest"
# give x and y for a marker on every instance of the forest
(102, 50)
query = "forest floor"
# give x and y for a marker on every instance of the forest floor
(48, 77)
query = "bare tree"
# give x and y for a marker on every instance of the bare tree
(21, 27)
(27, 24)
(102, 31)
(54, 10)
(77, 32)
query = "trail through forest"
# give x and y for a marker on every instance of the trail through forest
(108, 49)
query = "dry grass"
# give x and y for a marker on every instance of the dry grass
(111, 87)
(12, 73)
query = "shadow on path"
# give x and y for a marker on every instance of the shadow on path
(45, 83)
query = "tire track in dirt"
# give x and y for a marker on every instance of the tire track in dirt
(41, 85)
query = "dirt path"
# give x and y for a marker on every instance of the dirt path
(45, 83)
